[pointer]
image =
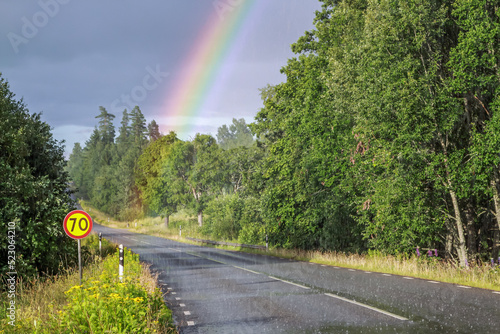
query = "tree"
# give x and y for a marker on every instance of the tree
(138, 128)
(198, 165)
(238, 134)
(156, 191)
(153, 131)
(106, 127)
(33, 190)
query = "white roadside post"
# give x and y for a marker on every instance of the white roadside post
(120, 267)
(100, 246)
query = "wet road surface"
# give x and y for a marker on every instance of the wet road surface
(217, 291)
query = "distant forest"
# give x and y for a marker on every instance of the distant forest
(385, 136)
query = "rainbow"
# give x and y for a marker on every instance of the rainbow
(206, 64)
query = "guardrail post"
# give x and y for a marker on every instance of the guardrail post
(267, 243)
(120, 267)
(180, 230)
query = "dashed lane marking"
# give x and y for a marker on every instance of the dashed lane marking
(177, 298)
(254, 272)
(464, 287)
(190, 323)
(367, 306)
(497, 292)
(351, 269)
(434, 282)
(187, 313)
(408, 277)
(288, 282)
(182, 305)
(386, 275)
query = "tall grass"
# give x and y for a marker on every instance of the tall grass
(478, 275)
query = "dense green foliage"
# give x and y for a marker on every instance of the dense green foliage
(33, 192)
(104, 170)
(385, 135)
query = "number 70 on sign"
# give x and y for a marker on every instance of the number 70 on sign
(77, 224)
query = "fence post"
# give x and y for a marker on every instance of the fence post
(120, 267)
(267, 243)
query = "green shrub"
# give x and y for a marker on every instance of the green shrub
(103, 304)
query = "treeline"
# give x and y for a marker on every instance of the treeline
(103, 171)
(142, 172)
(385, 136)
(34, 198)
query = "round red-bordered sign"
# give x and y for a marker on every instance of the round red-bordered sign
(77, 224)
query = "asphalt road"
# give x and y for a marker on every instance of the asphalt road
(216, 291)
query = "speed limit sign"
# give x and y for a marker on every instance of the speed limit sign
(77, 224)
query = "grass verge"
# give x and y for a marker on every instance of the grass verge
(477, 275)
(102, 304)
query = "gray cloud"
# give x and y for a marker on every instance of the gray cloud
(73, 56)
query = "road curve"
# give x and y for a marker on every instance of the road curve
(217, 291)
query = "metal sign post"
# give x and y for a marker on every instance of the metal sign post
(80, 260)
(77, 224)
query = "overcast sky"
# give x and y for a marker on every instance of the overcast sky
(66, 58)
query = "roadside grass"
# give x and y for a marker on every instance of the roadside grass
(431, 268)
(479, 275)
(102, 304)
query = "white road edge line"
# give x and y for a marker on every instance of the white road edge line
(300, 286)
(368, 307)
